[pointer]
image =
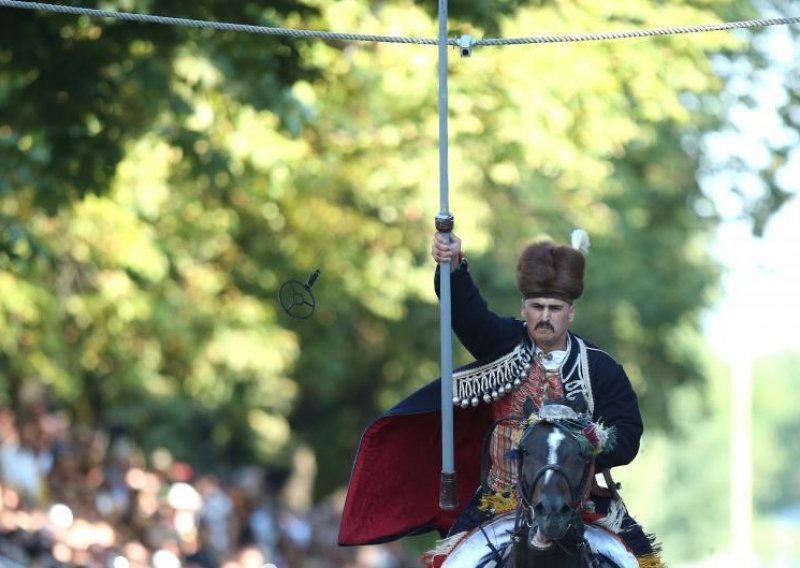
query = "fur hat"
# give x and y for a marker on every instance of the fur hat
(545, 269)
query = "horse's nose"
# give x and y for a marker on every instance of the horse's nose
(552, 516)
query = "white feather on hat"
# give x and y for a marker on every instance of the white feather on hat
(580, 240)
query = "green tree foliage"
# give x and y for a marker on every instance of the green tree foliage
(159, 184)
(761, 83)
(776, 482)
(680, 487)
(77, 90)
(774, 426)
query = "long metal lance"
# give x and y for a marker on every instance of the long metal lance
(448, 494)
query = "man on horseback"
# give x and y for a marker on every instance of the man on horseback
(535, 358)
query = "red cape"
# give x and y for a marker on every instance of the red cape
(394, 485)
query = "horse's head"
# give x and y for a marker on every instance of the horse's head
(556, 466)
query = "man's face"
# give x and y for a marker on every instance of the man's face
(548, 321)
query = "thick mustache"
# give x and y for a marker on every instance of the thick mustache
(544, 325)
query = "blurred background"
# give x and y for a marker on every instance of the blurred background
(158, 184)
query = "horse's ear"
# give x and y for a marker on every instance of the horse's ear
(529, 408)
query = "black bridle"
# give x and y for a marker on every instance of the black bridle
(578, 493)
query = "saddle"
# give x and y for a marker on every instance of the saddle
(489, 542)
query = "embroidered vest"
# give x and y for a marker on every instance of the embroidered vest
(508, 382)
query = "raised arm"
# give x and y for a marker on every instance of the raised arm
(478, 328)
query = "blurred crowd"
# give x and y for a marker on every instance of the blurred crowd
(75, 497)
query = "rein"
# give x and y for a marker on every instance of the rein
(524, 518)
(578, 496)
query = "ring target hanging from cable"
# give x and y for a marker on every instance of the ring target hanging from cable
(296, 298)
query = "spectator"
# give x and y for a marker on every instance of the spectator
(101, 505)
(19, 462)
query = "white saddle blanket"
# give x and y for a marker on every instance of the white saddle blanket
(474, 546)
